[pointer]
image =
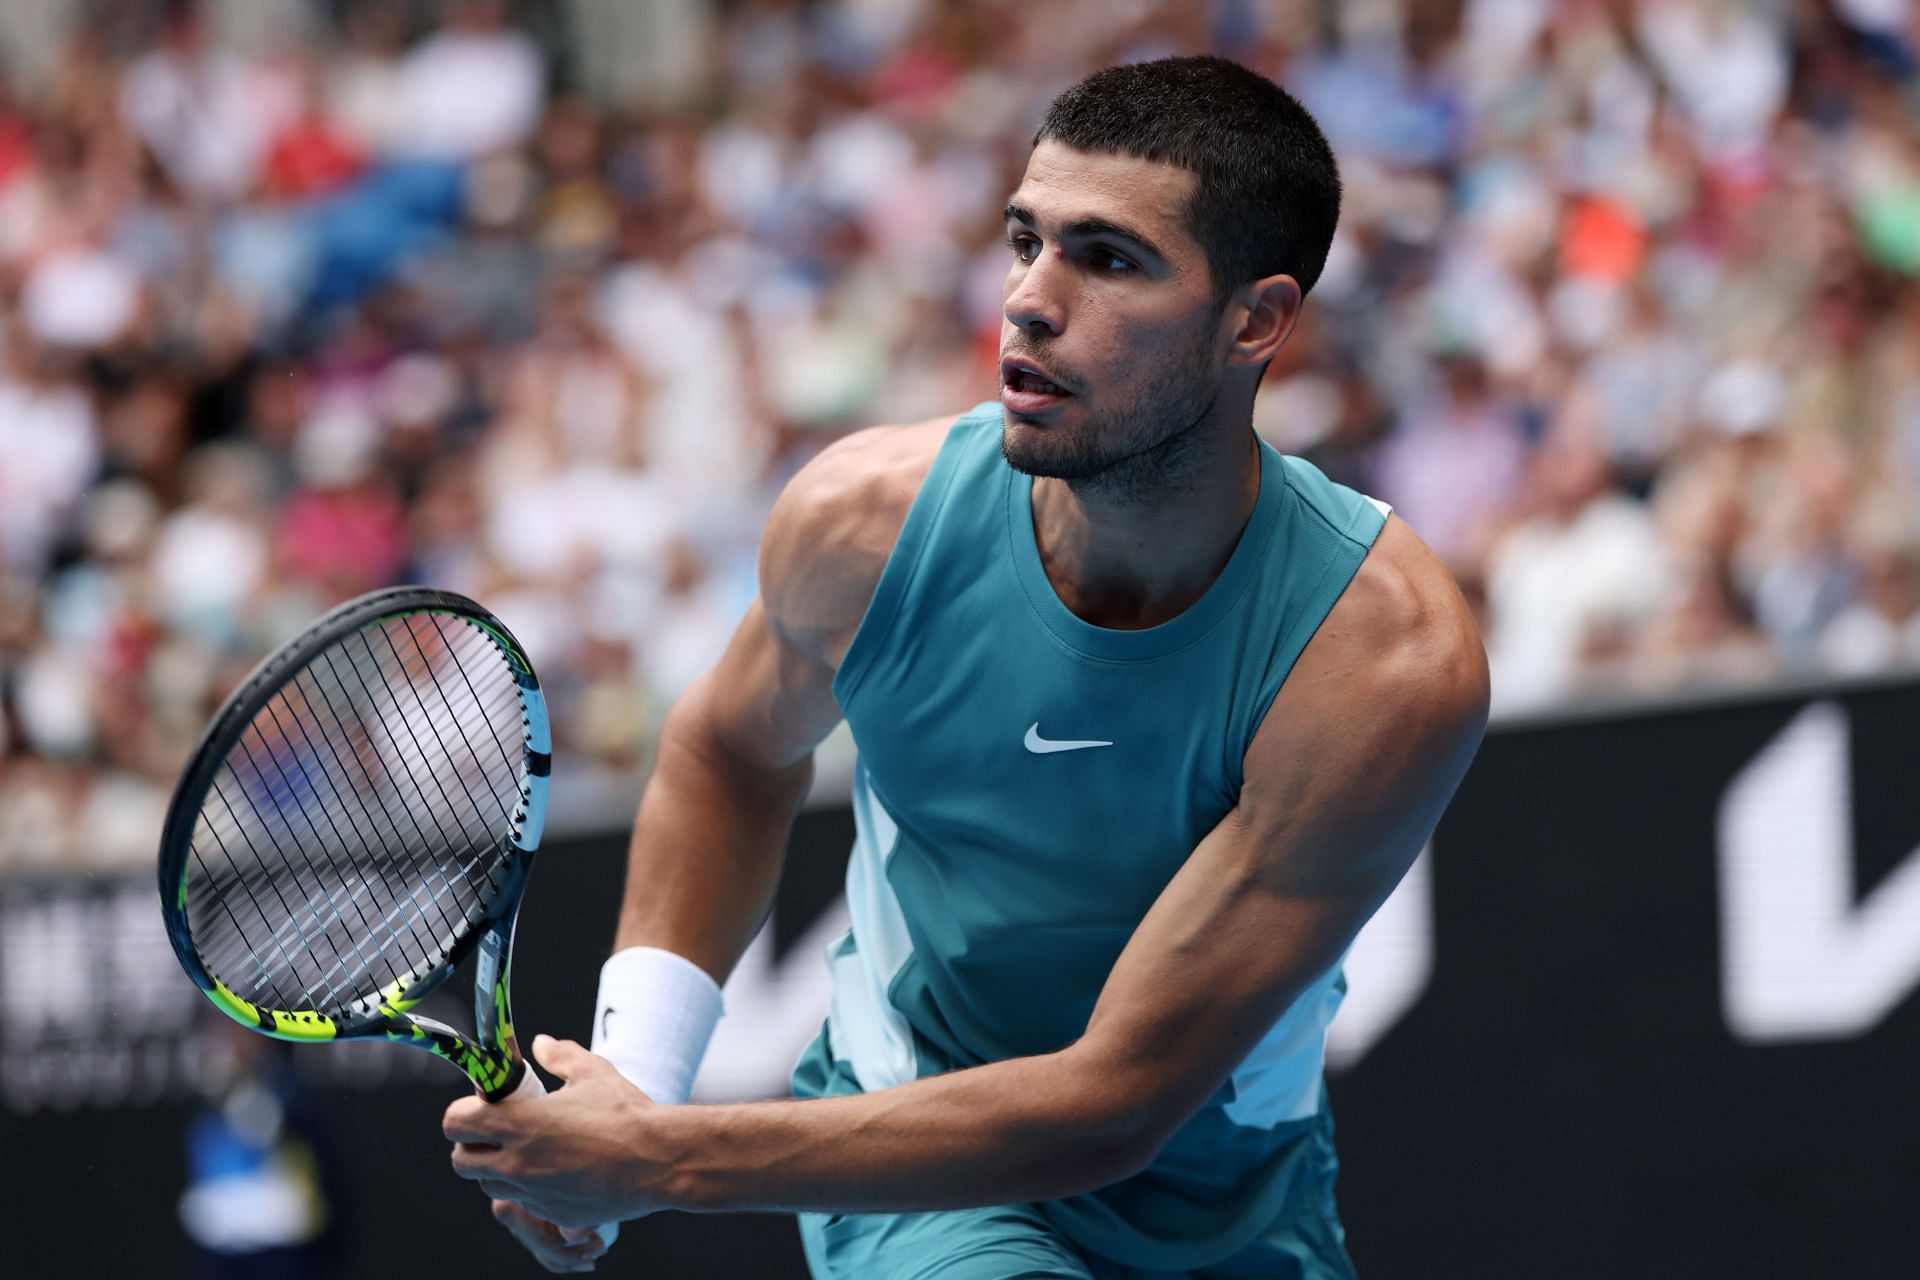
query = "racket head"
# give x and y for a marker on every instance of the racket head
(358, 817)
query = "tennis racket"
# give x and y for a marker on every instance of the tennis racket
(358, 818)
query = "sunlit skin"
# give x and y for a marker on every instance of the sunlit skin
(1146, 470)
(1343, 782)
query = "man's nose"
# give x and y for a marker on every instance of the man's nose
(1034, 296)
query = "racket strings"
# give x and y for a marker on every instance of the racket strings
(366, 782)
(259, 873)
(359, 827)
(425, 802)
(319, 838)
(424, 842)
(333, 894)
(423, 846)
(240, 934)
(480, 703)
(428, 719)
(366, 938)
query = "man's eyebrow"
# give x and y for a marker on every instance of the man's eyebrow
(1087, 228)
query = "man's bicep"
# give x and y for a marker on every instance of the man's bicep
(826, 542)
(1344, 783)
(1223, 953)
(767, 701)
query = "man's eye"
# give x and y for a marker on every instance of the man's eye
(1025, 247)
(1111, 263)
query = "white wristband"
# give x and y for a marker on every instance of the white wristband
(654, 1016)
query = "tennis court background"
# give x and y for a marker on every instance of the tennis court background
(1661, 1020)
(1600, 1068)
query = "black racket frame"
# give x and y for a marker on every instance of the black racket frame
(491, 1058)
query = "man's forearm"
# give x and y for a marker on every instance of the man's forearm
(1023, 1129)
(707, 847)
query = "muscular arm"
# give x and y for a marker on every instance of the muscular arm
(1343, 783)
(736, 753)
(714, 820)
(734, 763)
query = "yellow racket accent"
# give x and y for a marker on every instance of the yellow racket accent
(301, 1025)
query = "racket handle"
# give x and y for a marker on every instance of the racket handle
(529, 1086)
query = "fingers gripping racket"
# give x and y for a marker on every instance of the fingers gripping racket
(359, 817)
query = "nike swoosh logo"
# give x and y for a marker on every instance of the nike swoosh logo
(1041, 746)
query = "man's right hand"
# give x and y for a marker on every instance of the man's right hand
(551, 1247)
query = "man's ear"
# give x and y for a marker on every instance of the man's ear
(1267, 309)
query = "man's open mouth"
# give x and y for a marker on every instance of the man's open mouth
(1019, 376)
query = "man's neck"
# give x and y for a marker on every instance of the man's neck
(1134, 558)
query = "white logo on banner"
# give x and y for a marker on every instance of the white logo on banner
(1800, 958)
(93, 1007)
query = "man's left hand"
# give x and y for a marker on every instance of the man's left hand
(576, 1157)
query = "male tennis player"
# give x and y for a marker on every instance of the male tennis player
(1151, 720)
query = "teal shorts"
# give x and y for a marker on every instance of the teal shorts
(1018, 1242)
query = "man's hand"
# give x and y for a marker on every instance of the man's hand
(556, 1250)
(566, 1162)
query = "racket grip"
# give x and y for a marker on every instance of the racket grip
(530, 1086)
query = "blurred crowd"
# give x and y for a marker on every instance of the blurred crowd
(1622, 317)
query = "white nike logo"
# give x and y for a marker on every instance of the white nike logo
(1041, 746)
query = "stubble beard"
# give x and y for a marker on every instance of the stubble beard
(1134, 454)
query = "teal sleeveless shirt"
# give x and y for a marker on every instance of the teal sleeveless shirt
(1029, 783)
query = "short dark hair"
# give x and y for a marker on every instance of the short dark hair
(1267, 190)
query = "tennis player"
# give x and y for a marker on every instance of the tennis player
(1151, 719)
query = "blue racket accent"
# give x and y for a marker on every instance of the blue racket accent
(539, 769)
(539, 732)
(535, 801)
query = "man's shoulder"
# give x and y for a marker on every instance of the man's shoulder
(1399, 654)
(1377, 720)
(833, 527)
(1404, 611)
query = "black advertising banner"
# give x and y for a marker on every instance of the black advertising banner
(1670, 1027)
(1645, 1008)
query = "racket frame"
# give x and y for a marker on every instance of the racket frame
(491, 1058)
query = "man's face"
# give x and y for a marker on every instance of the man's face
(1111, 347)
